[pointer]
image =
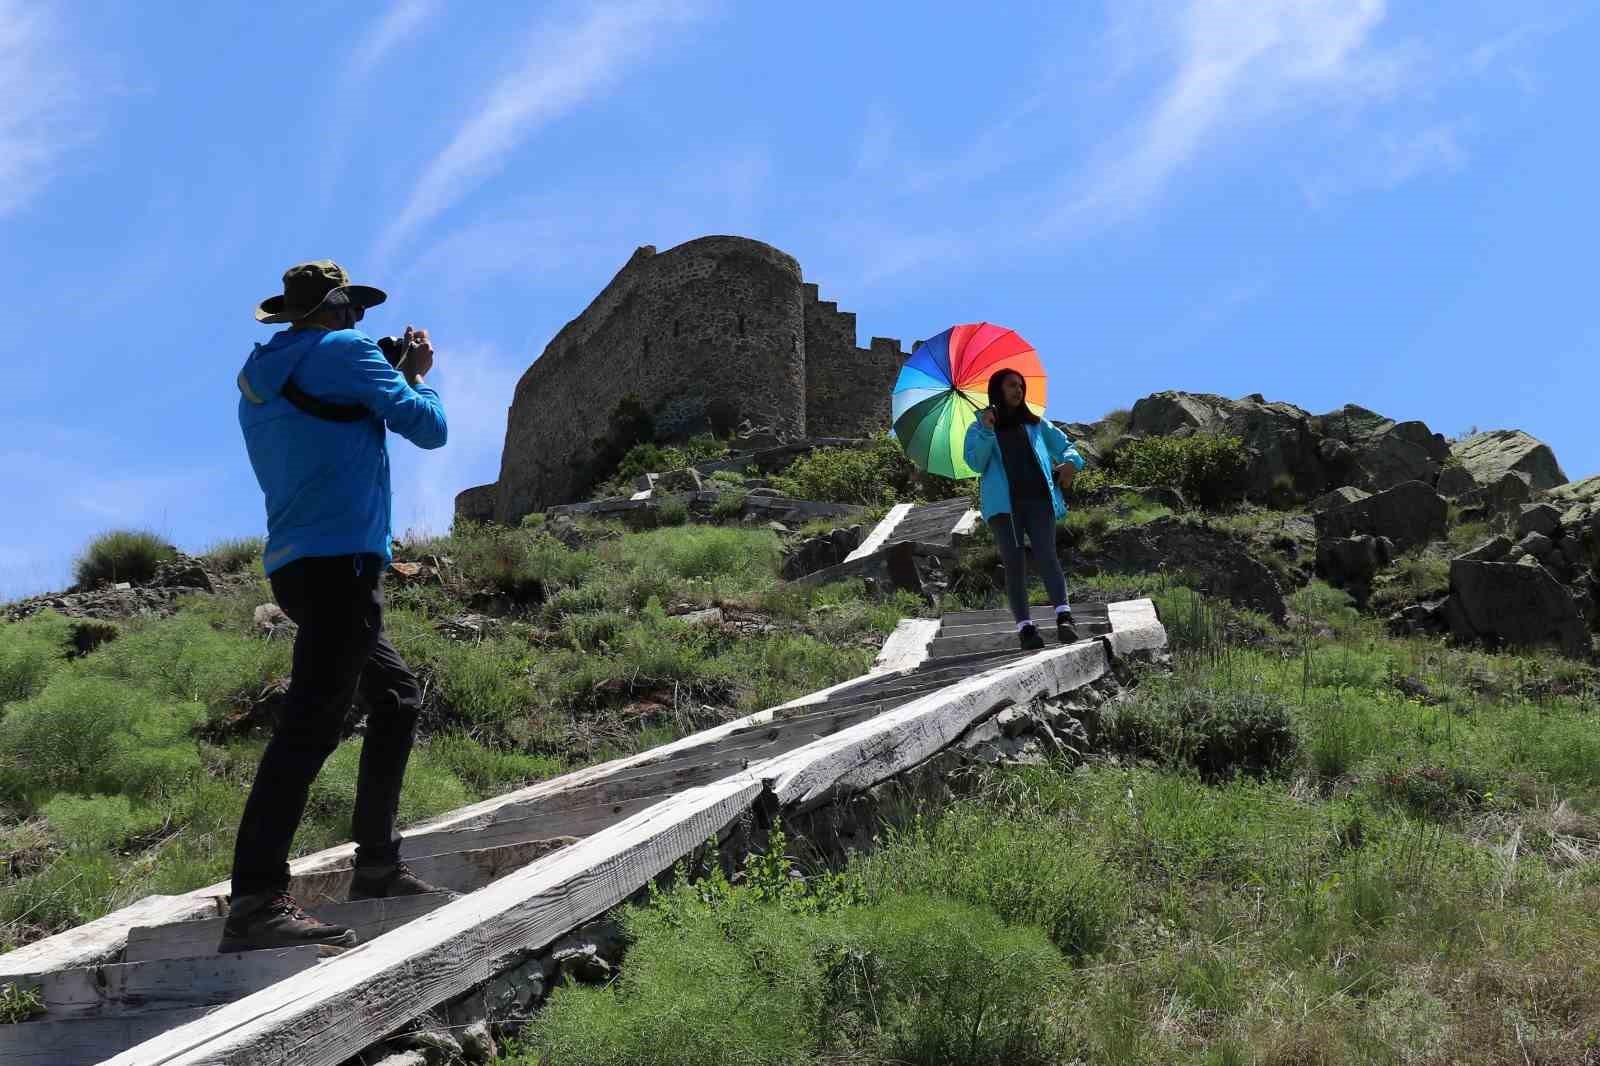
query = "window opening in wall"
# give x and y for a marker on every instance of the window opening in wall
(647, 347)
(675, 325)
(741, 325)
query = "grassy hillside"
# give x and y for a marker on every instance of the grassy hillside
(1312, 842)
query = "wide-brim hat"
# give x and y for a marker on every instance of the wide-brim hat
(311, 287)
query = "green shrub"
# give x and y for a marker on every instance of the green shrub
(231, 556)
(1024, 867)
(746, 557)
(1219, 733)
(879, 474)
(96, 821)
(728, 506)
(30, 651)
(1207, 467)
(92, 734)
(185, 659)
(523, 564)
(484, 769)
(122, 555)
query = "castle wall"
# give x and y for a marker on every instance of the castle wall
(706, 334)
(847, 388)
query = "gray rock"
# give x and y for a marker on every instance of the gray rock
(1577, 498)
(1221, 563)
(1571, 549)
(477, 1045)
(685, 480)
(711, 616)
(1454, 480)
(583, 964)
(1278, 436)
(1351, 562)
(1410, 514)
(403, 1058)
(1339, 497)
(1537, 545)
(439, 1047)
(1492, 550)
(1014, 721)
(1539, 518)
(1520, 605)
(515, 992)
(1488, 456)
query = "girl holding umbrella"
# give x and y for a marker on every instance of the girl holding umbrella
(1015, 453)
(1023, 462)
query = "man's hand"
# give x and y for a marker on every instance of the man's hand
(1065, 472)
(419, 359)
(986, 416)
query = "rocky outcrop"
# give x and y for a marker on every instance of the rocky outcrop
(1352, 562)
(1517, 605)
(1383, 452)
(1410, 514)
(1339, 497)
(1220, 563)
(1278, 436)
(1487, 457)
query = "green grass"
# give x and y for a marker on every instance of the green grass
(236, 554)
(121, 555)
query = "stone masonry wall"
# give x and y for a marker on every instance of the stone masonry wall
(847, 388)
(706, 334)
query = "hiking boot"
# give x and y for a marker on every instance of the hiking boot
(275, 920)
(1066, 632)
(1030, 638)
(382, 882)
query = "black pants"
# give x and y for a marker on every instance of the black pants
(337, 601)
(1036, 518)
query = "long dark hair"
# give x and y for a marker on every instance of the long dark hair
(1004, 416)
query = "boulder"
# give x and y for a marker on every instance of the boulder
(1220, 562)
(1492, 550)
(1410, 514)
(1536, 544)
(1278, 436)
(1542, 518)
(1383, 452)
(1454, 480)
(685, 480)
(1519, 605)
(1352, 562)
(1503, 497)
(1577, 499)
(1340, 496)
(1488, 456)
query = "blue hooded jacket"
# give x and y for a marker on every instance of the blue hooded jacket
(327, 483)
(981, 449)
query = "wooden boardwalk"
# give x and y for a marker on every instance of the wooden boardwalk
(928, 529)
(145, 985)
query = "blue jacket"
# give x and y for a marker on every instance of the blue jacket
(327, 483)
(982, 452)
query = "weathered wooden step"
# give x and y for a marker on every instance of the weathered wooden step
(459, 871)
(1006, 637)
(196, 942)
(82, 1041)
(1042, 613)
(167, 983)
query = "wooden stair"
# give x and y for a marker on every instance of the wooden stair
(146, 986)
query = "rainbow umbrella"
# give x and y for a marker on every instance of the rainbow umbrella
(945, 384)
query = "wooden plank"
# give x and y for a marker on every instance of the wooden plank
(1006, 637)
(1136, 627)
(1039, 613)
(907, 646)
(80, 1042)
(873, 751)
(197, 941)
(459, 871)
(880, 533)
(167, 983)
(966, 524)
(323, 1016)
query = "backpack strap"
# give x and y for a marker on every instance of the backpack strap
(328, 412)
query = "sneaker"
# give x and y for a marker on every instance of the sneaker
(1065, 630)
(275, 920)
(1029, 635)
(381, 882)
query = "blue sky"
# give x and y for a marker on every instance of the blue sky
(1326, 201)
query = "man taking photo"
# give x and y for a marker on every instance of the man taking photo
(315, 404)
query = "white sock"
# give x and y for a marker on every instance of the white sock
(1063, 608)
(1023, 625)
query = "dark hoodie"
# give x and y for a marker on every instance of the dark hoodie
(1023, 474)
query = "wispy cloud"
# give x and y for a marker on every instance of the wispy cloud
(402, 19)
(1239, 64)
(565, 64)
(1390, 160)
(45, 113)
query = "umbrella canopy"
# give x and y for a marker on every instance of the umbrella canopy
(945, 384)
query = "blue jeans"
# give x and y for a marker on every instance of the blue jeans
(1037, 519)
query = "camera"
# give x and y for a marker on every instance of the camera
(394, 349)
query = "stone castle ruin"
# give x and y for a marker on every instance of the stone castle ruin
(712, 335)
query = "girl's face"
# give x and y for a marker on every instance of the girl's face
(1012, 390)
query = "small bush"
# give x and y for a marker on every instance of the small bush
(1219, 733)
(486, 770)
(748, 557)
(1437, 791)
(1207, 467)
(1024, 867)
(30, 651)
(523, 564)
(231, 556)
(122, 555)
(879, 474)
(96, 821)
(184, 658)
